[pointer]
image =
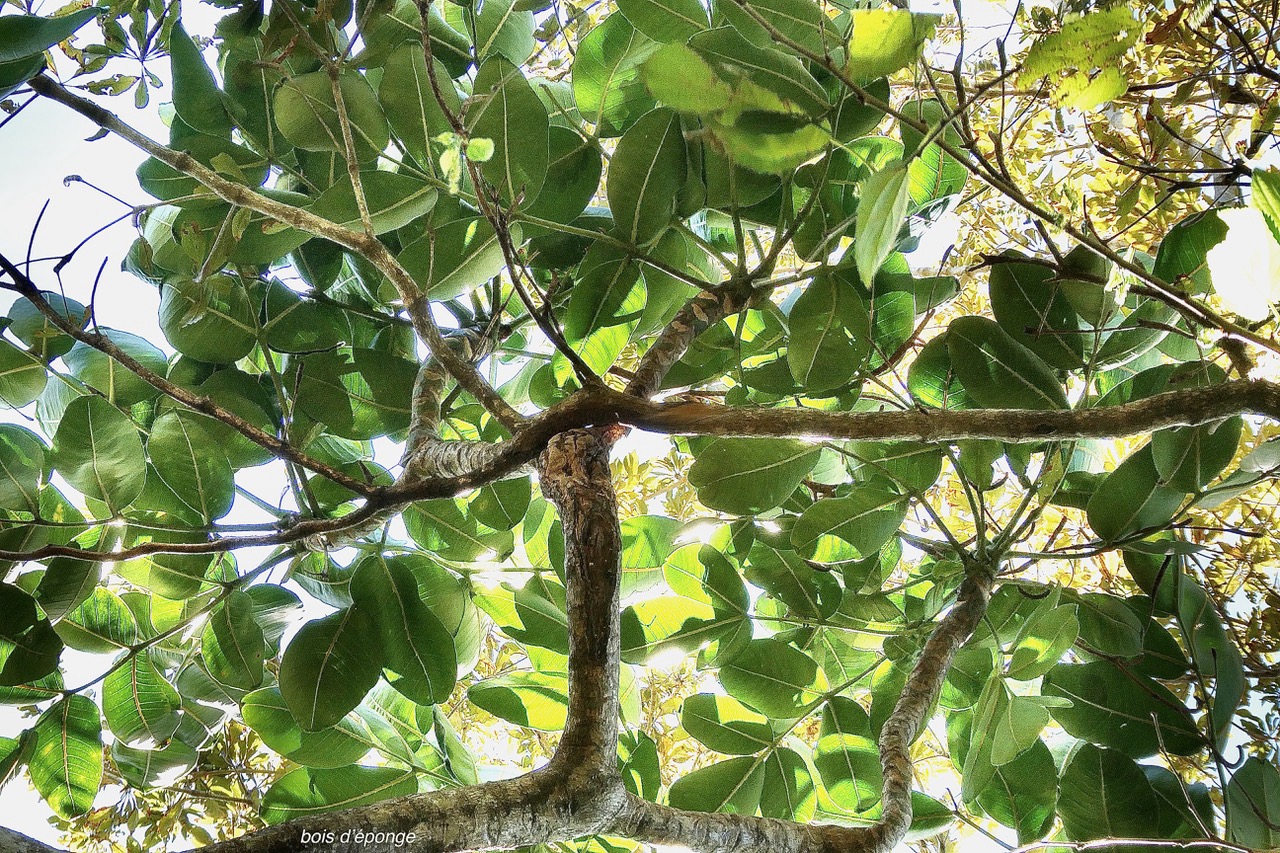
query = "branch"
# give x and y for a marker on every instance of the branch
(23, 285)
(1191, 407)
(370, 248)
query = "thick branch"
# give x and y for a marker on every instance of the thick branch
(1189, 407)
(367, 247)
(699, 314)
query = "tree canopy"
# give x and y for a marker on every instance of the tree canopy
(568, 432)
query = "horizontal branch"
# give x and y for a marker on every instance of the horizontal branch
(1190, 407)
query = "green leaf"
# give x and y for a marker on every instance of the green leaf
(788, 791)
(1042, 641)
(66, 762)
(724, 724)
(98, 451)
(732, 786)
(29, 648)
(457, 257)
(307, 114)
(1264, 185)
(638, 764)
(606, 75)
(998, 371)
(1132, 497)
(329, 666)
(359, 396)
(849, 766)
(45, 340)
(886, 40)
(419, 659)
(196, 98)
(1126, 712)
(440, 527)
(829, 334)
(1033, 308)
(140, 705)
(502, 505)
(745, 476)
(798, 20)
(1108, 625)
(1083, 57)
(933, 379)
(503, 28)
(22, 376)
(410, 102)
(210, 320)
(773, 677)
(1104, 794)
(233, 645)
(646, 173)
(665, 20)
(1023, 794)
(22, 456)
(534, 700)
(191, 464)
(506, 110)
(304, 792)
(266, 713)
(66, 584)
(392, 200)
(867, 519)
(22, 36)
(117, 384)
(882, 210)
(1253, 805)
(102, 624)
(154, 768)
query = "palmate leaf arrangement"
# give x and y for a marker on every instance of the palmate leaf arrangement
(664, 216)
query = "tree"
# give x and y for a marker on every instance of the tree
(1010, 527)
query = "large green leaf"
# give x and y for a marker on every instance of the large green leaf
(732, 786)
(154, 768)
(266, 713)
(410, 101)
(1033, 308)
(999, 372)
(531, 699)
(196, 98)
(98, 451)
(140, 704)
(645, 175)
(191, 464)
(29, 648)
(23, 36)
(329, 666)
(866, 520)
(1253, 805)
(66, 763)
(1132, 497)
(1023, 794)
(304, 792)
(22, 376)
(508, 111)
(392, 201)
(1104, 794)
(306, 112)
(1129, 713)
(665, 20)
(725, 725)
(883, 41)
(441, 527)
(22, 456)
(849, 765)
(419, 659)
(882, 209)
(829, 334)
(233, 645)
(773, 677)
(606, 75)
(750, 475)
